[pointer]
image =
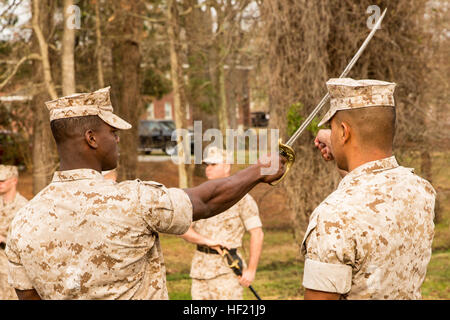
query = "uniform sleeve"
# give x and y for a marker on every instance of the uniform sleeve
(249, 213)
(17, 275)
(329, 256)
(165, 210)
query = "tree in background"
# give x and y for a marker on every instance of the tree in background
(311, 41)
(44, 149)
(126, 78)
(68, 49)
(185, 170)
(297, 34)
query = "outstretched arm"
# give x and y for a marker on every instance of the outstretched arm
(27, 294)
(320, 295)
(215, 196)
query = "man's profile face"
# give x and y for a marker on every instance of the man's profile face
(7, 185)
(108, 150)
(217, 171)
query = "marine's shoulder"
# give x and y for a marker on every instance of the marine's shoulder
(406, 178)
(335, 206)
(421, 183)
(21, 199)
(247, 200)
(136, 183)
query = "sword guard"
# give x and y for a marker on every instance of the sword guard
(289, 153)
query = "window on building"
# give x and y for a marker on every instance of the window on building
(150, 111)
(168, 111)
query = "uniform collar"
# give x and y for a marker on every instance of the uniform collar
(78, 174)
(4, 204)
(369, 168)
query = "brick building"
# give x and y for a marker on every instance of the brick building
(163, 109)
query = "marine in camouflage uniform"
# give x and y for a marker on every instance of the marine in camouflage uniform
(371, 238)
(10, 202)
(87, 237)
(212, 278)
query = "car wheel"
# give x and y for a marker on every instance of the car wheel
(170, 148)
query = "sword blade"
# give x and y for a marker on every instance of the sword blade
(347, 69)
(254, 292)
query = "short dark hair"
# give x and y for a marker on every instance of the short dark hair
(374, 126)
(69, 128)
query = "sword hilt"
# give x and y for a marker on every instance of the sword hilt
(288, 153)
(236, 266)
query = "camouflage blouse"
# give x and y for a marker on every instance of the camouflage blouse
(85, 237)
(371, 238)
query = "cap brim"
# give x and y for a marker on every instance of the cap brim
(115, 121)
(211, 161)
(327, 117)
(7, 177)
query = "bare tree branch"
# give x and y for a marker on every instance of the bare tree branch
(33, 56)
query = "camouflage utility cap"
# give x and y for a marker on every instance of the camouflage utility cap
(96, 103)
(215, 156)
(8, 172)
(347, 94)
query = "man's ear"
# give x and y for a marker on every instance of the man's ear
(90, 138)
(345, 132)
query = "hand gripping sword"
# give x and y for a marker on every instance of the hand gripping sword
(286, 149)
(235, 263)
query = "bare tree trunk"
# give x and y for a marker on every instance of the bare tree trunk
(43, 48)
(68, 55)
(223, 106)
(44, 148)
(184, 170)
(99, 48)
(200, 91)
(126, 91)
(44, 154)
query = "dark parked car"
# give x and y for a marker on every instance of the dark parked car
(157, 134)
(259, 119)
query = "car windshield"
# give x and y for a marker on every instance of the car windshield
(146, 127)
(168, 125)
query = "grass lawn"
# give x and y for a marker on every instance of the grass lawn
(279, 275)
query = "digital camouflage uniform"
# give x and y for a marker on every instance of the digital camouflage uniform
(371, 238)
(86, 237)
(212, 279)
(7, 212)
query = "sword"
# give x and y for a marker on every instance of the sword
(235, 263)
(286, 149)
